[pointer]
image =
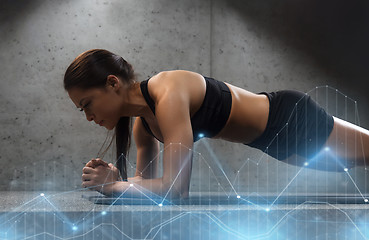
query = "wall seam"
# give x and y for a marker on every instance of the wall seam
(211, 39)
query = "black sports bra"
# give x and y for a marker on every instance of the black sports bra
(212, 115)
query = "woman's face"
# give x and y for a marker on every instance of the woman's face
(100, 105)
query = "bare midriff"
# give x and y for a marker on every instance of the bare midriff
(248, 117)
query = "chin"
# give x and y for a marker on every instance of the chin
(109, 127)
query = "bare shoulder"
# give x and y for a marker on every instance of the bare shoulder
(177, 82)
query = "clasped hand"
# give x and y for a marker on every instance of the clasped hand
(100, 176)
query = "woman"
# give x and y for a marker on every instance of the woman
(179, 107)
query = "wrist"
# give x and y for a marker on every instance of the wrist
(135, 179)
(110, 190)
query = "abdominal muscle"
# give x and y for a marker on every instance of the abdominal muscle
(248, 117)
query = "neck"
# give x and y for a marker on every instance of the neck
(134, 104)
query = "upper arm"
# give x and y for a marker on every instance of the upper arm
(172, 107)
(147, 151)
(173, 116)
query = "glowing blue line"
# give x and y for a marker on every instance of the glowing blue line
(225, 227)
(59, 213)
(156, 157)
(43, 233)
(116, 199)
(259, 206)
(24, 210)
(162, 224)
(355, 185)
(98, 226)
(219, 184)
(172, 184)
(286, 186)
(219, 165)
(145, 194)
(220, 223)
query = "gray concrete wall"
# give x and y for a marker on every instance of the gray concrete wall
(257, 45)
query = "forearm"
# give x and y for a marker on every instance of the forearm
(143, 188)
(174, 183)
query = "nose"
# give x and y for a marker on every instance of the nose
(89, 117)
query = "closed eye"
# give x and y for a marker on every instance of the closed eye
(85, 106)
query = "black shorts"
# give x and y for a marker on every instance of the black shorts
(296, 125)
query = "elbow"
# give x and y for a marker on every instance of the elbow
(175, 191)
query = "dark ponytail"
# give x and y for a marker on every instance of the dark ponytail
(90, 70)
(123, 142)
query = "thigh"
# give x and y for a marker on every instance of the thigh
(349, 143)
